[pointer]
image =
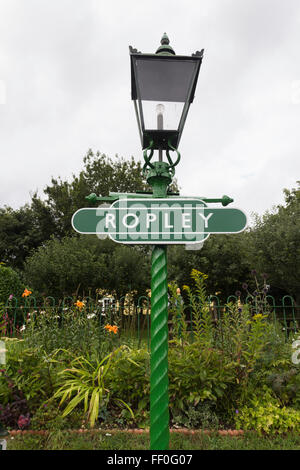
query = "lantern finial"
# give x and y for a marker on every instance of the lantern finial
(165, 48)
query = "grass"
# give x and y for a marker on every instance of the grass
(64, 440)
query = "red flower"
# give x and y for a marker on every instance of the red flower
(23, 421)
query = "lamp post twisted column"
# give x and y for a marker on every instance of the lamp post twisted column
(159, 383)
(159, 178)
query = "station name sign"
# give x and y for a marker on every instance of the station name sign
(158, 221)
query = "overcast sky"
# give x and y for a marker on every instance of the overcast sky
(65, 88)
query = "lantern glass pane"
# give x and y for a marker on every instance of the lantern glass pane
(170, 112)
(165, 79)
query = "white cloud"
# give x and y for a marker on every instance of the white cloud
(65, 66)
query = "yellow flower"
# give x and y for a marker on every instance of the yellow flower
(195, 274)
(259, 316)
(26, 293)
(79, 304)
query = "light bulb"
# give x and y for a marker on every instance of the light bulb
(160, 109)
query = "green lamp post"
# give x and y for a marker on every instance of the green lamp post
(162, 87)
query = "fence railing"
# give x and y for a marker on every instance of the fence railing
(133, 316)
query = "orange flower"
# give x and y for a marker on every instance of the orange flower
(79, 304)
(112, 329)
(115, 329)
(26, 293)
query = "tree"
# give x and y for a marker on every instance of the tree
(100, 175)
(130, 270)
(10, 284)
(23, 230)
(222, 258)
(80, 265)
(274, 244)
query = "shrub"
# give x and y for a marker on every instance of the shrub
(129, 377)
(202, 416)
(84, 383)
(264, 414)
(286, 386)
(197, 375)
(83, 264)
(29, 371)
(69, 328)
(11, 413)
(10, 284)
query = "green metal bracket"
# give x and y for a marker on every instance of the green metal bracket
(172, 165)
(160, 168)
(225, 200)
(147, 158)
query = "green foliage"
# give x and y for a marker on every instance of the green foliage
(176, 311)
(120, 440)
(28, 370)
(82, 264)
(71, 328)
(196, 375)
(100, 175)
(84, 383)
(202, 320)
(271, 246)
(25, 229)
(22, 230)
(60, 267)
(130, 380)
(10, 284)
(201, 416)
(274, 244)
(264, 414)
(222, 258)
(286, 386)
(234, 353)
(231, 368)
(49, 417)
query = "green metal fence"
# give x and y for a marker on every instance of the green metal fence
(133, 316)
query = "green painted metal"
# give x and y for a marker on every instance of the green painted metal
(160, 168)
(93, 198)
(283, 312)
(159, 385)
(167, 221)
(148, 157)
(165, 48)
(171, 163)
(159, 178)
